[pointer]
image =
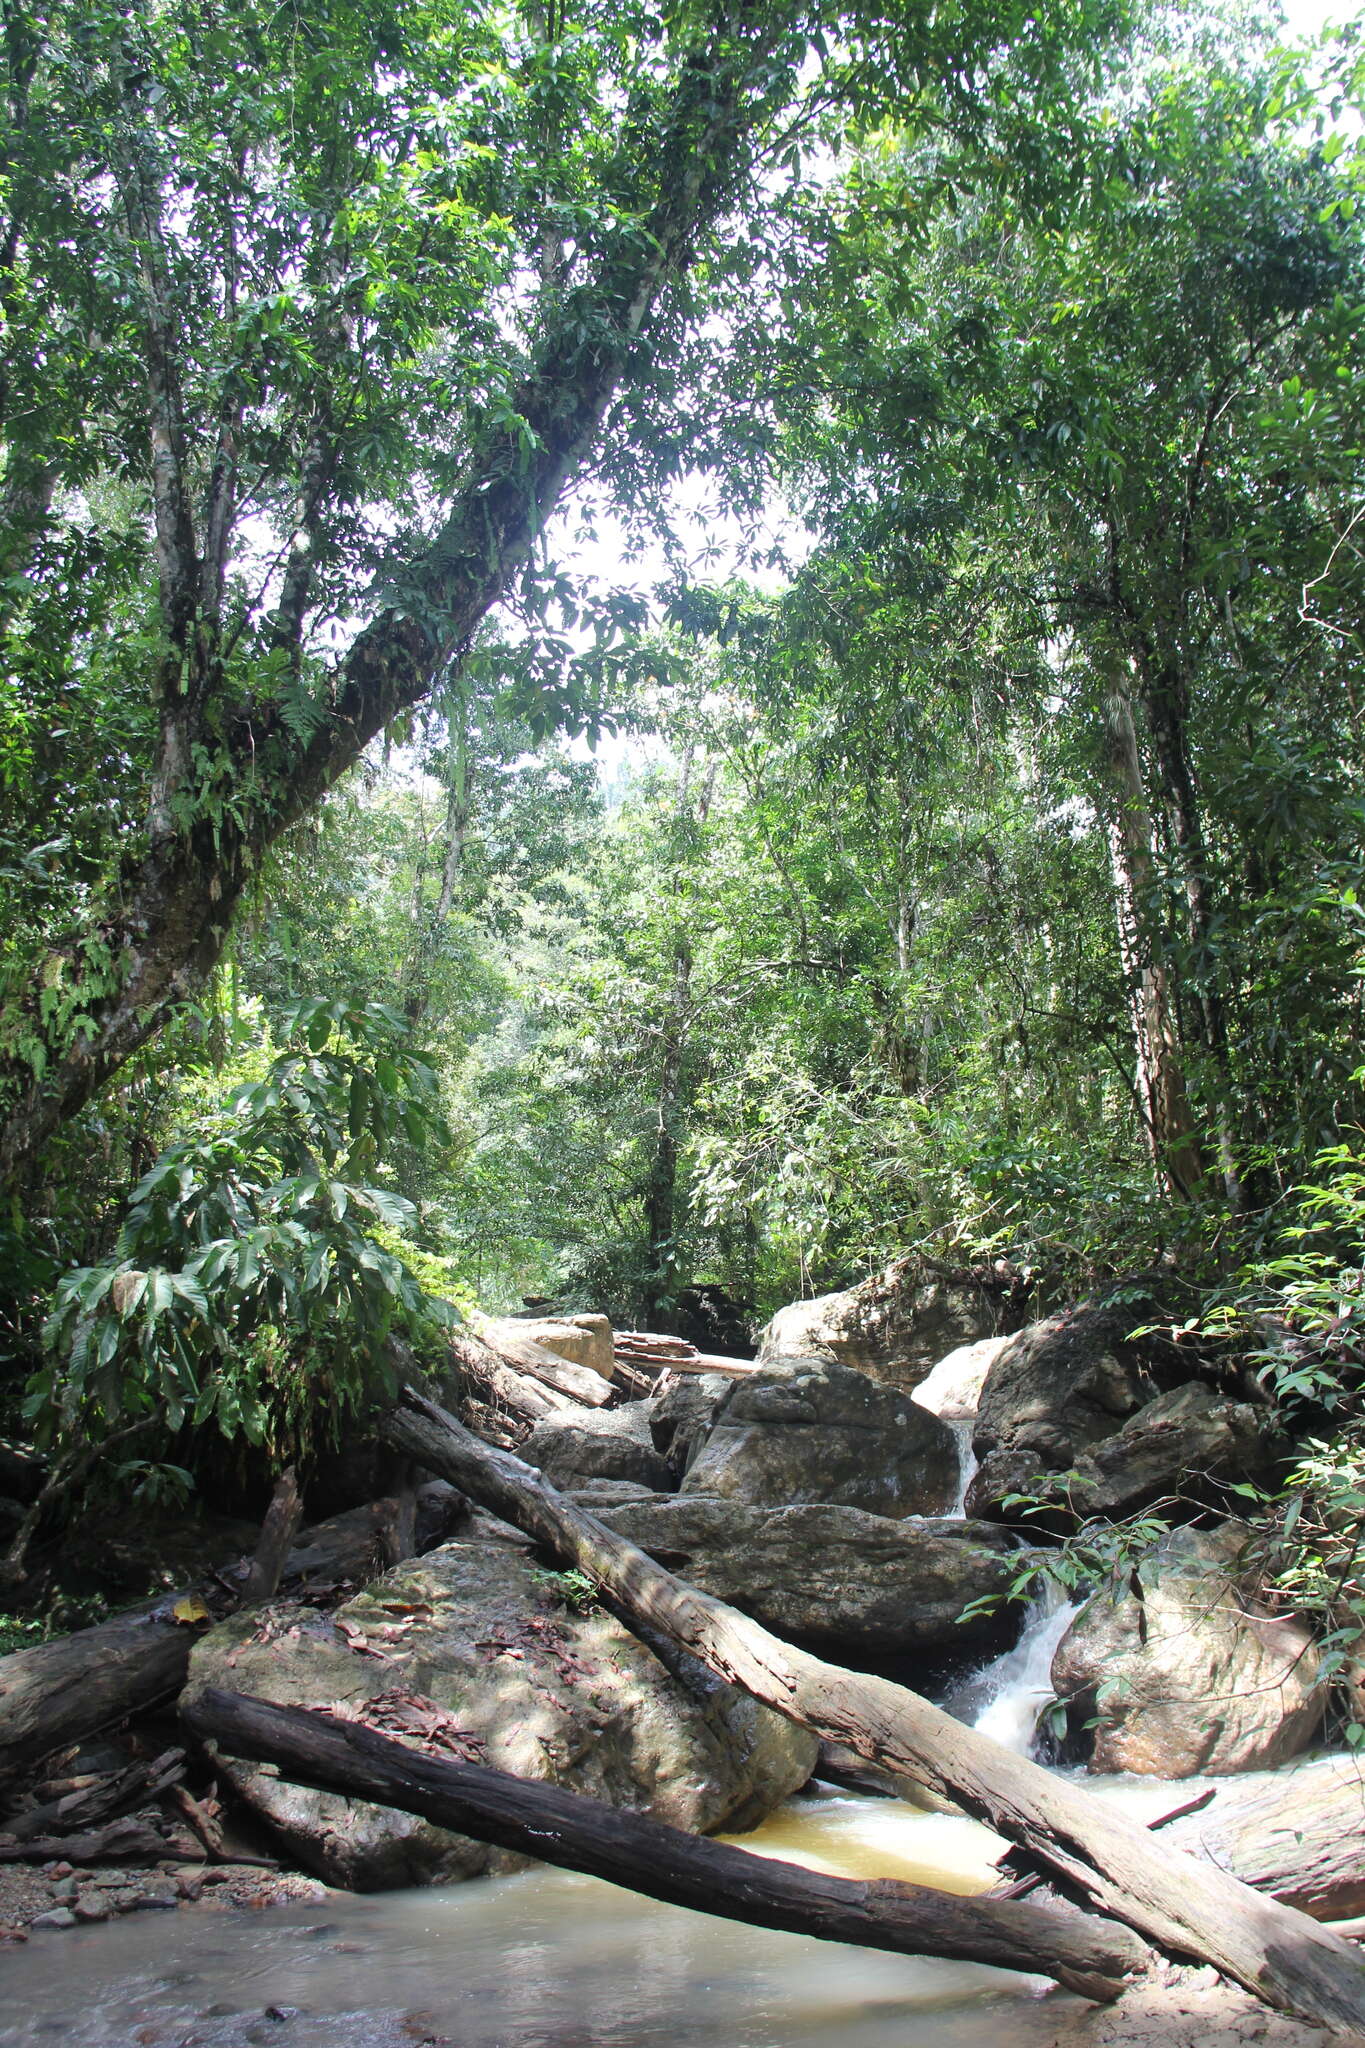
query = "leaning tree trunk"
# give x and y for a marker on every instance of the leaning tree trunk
(540, 1820)
(176, 901)
(1183, 1907)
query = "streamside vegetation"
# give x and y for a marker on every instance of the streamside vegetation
(651, 659)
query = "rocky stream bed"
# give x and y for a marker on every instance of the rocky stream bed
(855, 1489)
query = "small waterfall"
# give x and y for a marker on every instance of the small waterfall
(967, 1463)
(1011, 1693)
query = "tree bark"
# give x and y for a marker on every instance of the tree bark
(1182, 1907)
(577, 1833)
(1161, 1078)
(70, 1688)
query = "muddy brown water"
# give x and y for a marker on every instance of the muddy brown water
(543, 1960)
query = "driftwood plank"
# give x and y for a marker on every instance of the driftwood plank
(540, 1820)
(1184, 1907)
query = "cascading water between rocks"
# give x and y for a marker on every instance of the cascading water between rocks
(1005, 1698)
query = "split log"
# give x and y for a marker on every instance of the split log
(647, 1348)
(67, 1690)
(522, 1354)
(101, 1800)
(1184, 1907)
(482, 1373)
(540, 1820)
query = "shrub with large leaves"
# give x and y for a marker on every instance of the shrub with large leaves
(252, 1286)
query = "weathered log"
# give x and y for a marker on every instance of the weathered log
(1184, 1907)
(541, 1820)
(521, 1354)
(480, 1371)
(1298, 1834)
(674, 1354)
(136, 1838)
(102, 1799)
(66, 1690)
(280, 1527)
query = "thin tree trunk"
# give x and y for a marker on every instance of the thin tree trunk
(1165, 699)
(1169, 1125)
(1183, 1907)
(577, 1833)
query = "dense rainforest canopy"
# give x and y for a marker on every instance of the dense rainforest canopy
(656, 649)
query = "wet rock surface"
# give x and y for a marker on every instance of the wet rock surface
(810, 1430)
(473, 1649)
(835, 1577)
(1183, 1675)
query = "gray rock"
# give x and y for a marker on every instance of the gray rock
(1000, 1474)
(598, 1443)
(834, 1577)
(1186, 1676)
(476, 1630)
(1067, 1383)
(896, 1326)
(810, 1430)
(680, 1419)
(57, 1916)
(1183, 1447)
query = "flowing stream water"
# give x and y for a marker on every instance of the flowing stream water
(553, 1960)
(543, 1960)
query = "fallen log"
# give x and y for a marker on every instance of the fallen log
(522, 1354)
(536, 1819)
(103, 1799)
(68, 1689)
(134, 1839)
(1184, 1907)
(645, 1348)
(480, 1372)
(1298, 1834)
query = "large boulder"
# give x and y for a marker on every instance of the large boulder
(681, 1418)
(834, 1577)
(1183, 1447)
(598, 1443)
(897, 1325)
(474, 1648)
(806, 1429)
(1183, 1674)
(1070, 1381)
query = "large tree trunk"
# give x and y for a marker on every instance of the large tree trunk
(68, 1689)
(176, 901)
(1183, 1907)
(577, 1833)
